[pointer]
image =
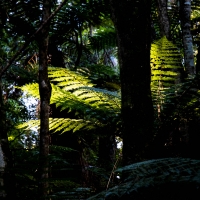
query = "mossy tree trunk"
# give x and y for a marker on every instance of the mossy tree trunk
(132, 23)
(45, 94)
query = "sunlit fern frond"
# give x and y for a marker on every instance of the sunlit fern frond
(31, 89)
(85, 100)
(66, 124)
(105, 99)
(93, 105)
(67, 79)
(62, 125)
(66, 100)
(165, 65)
(31, 124)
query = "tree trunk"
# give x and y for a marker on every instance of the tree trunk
(185, 12)
(45, 94)
(107, 147)
(163, 19)
(7, 181)
(133, 27)
(79, 46)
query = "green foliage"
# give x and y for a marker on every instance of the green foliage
(155, 21)
(99, 109)
(60, 125)
(26, 169)
(74, 194)
(165, 60)
(98, 71)
(26, 173)
(67, 79)
(165, 69)
(103, 38)
(151, 174)
(73, 92)
(90, 96)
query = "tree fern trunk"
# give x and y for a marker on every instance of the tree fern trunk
(133, 26)
(45, 94)
(185, 12)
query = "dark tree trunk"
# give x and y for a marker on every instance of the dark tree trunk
(107, 147)
(79, 47)
(163, 19)
(133, 26)
(45, 94)
(185, 12)
(7, 180)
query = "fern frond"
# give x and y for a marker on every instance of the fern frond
(99, 71)
(95, 106)
(67, 124)
(165, 65)
(61, 148)
(29, 125)
(165, 60)
(67, 79)
(62, 124)
(85, 99)
(152, 174)
(31, 89)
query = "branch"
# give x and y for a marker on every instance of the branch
(32, 37)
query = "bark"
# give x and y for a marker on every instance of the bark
(163, 18)
(133, 27)
(185, 12)
(7, 180)
(45, 94)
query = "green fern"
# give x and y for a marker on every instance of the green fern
(61, 125)
(73, 92)
(68, 79)
(165, 64)
(139, 177)
(165, 61)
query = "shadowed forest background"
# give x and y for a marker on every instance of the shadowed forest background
(100, 99)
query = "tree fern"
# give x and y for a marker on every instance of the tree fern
(73, 92)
